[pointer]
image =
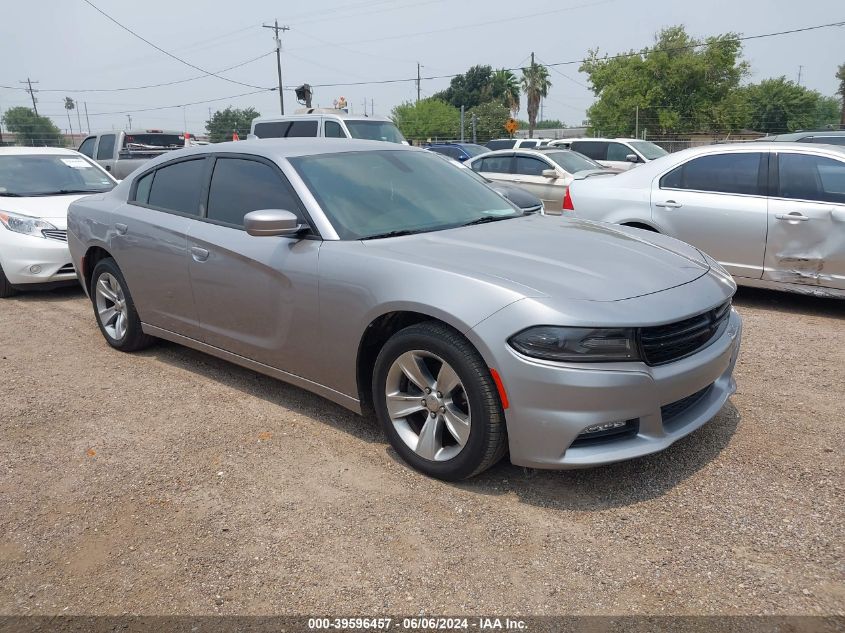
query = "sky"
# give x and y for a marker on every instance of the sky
(69, 47)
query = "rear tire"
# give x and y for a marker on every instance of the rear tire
(6, 289)
(437, 402)
(114, 309)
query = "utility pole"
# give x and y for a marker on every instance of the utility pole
(78, 117)
(276, 28)
(418, 82)
(129, 116)
(31, 92)
(88, 123)
(462, 124)
(800, 68)
(474, 121)
(372, 107)
(637, 123)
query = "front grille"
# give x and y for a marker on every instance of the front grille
(67, 269)
(666, 343)
(55, 234)
(672, 410)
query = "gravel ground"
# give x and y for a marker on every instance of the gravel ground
(172, 482)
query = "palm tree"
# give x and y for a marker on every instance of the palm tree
(504, 87)
(535, 84)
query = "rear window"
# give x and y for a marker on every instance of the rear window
(286, 129)
(506, 143)
(597, 150)
(153, 141)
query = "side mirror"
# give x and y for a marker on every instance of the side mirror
(550, 173)
(272, 222)
(632, 158)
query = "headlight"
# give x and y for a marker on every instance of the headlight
(576, 344)
(24, 224)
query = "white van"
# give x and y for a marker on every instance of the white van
(326, 122)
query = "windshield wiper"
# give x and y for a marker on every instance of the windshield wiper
(489, 218)
(400, 233)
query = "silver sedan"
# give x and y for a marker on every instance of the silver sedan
(386, 280)
(773, 214)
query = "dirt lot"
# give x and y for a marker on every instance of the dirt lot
(171, 482)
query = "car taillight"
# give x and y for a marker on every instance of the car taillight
(567, 201)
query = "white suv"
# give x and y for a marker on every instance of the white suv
(326, 122)
(619, 153)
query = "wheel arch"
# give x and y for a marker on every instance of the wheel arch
(93, 255)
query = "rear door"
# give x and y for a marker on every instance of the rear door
(597, 150)
(528, 174)
(617, 156)
(256, 296)
(806, 242)
(497, 167)
(717, 203)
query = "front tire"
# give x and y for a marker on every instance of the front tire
(437, 402)
(6, 289)
(114, 309)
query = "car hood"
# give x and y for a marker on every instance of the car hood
(52, 208)
(561, 258)
(520, 197)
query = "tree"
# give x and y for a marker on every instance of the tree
(427, 119)
(470, 89)
(32, 129)
(224, 123)
(504, 88)
(69, 105)
(535, 84)
(490, 119)
(679, 85)
(547, 124)
(840, 75)
(779, 105)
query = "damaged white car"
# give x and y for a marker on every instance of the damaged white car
(772, 214)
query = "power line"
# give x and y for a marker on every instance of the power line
(158, 85)
(169, 54)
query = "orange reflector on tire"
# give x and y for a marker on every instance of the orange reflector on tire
(500, 387)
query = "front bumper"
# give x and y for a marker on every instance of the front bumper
(30, 260)
(551, 403)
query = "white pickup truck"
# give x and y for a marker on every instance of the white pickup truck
(120, 153)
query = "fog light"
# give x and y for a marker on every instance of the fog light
(35, 269)
(601, 428)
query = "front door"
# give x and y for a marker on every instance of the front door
(717, 203)
(528, 174)
(255, 296)
(806, 243)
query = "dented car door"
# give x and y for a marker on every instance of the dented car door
(806, 221)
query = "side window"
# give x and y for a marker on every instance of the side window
(332, 129)
(496, 164)
(501, 144)
(528, 144)
(142, 188)
(720, 173)
(87, 146)
(239, 186)
(272, 129)
(804, 177)
(177, 187)
(302, 128)
(530, 166)
(105, 150)
(597, 150)
(617, 151)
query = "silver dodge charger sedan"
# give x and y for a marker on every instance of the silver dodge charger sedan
(386, 280)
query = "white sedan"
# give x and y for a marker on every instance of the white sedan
(773, 214)
(37, 184)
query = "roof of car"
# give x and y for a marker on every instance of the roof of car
(23, 151)
(283, 148)
(531, 151)
(803, 134)
(313, 115)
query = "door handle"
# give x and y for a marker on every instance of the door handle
(121, 228)
(517, 180)
(795, 216)
(669, 204)
(199, 254)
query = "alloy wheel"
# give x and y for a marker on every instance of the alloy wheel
(111, 306)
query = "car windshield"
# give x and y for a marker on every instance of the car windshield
(375, 131)
(649, 150)
(387, 192)
(474, 150)
(49, 174)
(572, 162)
